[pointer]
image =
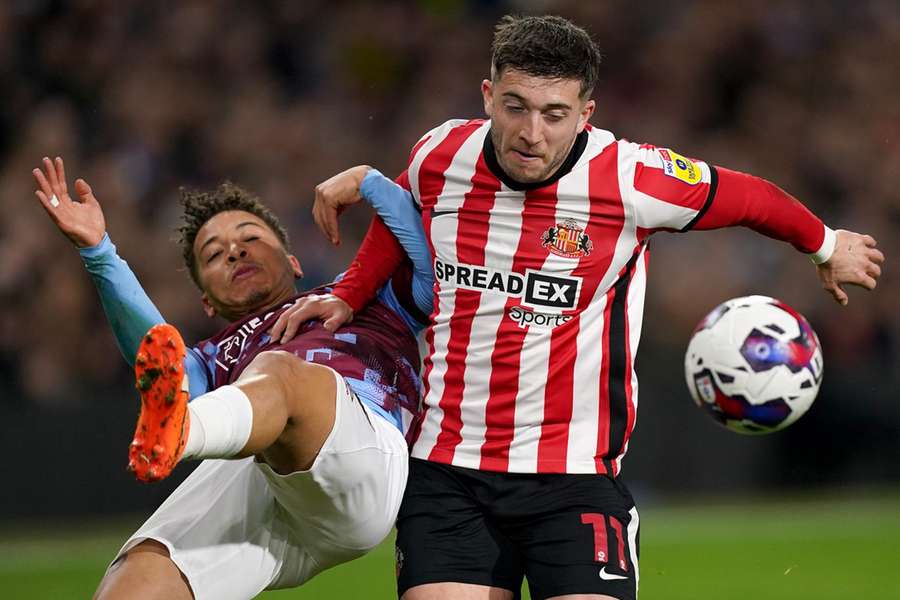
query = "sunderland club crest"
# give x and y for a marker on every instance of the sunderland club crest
(567, 239)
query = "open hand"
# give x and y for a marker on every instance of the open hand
(328, 308)
(855, 260)
(80, 220)
(334, 195)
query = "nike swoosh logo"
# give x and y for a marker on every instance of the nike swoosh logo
(609, 576)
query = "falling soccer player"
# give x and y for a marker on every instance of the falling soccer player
(312, 422)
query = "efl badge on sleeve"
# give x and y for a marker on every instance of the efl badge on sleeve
(680, 167)
(567, 239)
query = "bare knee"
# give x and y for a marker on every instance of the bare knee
(282, 367)
(293, 409)
(302, 384)
(144, 573)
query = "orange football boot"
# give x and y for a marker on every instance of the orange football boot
(162, 427)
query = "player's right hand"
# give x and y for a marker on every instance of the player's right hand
(334, 195)
(328, 308)
(80, 220)
(855, 260)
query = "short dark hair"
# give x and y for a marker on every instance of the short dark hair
(201, 206)
(547, 46)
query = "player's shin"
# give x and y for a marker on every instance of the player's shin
(221, 422)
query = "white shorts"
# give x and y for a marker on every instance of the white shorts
(236, 527)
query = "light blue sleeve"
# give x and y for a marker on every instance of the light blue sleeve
(397, 209)
(128, 309)
(386, 294)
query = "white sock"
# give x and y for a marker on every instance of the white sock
(221, 421)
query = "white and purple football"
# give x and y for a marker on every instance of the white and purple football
(754, 365)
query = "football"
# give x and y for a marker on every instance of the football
(754, 365)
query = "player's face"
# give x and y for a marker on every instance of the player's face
(534, 122)
(242, 265)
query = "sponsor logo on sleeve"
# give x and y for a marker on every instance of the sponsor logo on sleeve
(680, 167)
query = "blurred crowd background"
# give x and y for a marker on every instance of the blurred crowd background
(141, 98)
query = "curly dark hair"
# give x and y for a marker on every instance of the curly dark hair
(547, 46)
(201, 206)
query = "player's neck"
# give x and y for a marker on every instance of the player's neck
(256, 305)
(493, 164)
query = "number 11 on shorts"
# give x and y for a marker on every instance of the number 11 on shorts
(601, 542)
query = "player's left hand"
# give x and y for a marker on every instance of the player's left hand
(334, 195)
(855, 260)
(328, 308)
(80, 220)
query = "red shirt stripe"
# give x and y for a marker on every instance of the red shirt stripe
(431, 183)
(471, 238)
(537, 216)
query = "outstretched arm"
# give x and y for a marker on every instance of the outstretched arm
(841, 257)
(673, 192)
(128, 308)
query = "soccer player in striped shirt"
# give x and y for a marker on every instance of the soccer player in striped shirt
(539, 226)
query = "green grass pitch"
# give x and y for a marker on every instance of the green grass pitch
(792, 550)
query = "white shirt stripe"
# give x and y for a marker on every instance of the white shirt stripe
(437, 135)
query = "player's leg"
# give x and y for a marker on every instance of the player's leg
(144, 573)
(221, 527)
(583, 597)
(220, 530)
(447, 544)
(346, 503)
(457, 591)
(281, 407)
(293, 404)
(467, 591)
(578, 535)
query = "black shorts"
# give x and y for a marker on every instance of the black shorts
(566, 534)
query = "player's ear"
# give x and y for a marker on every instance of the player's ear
(487, 92)
(586, 112)
(208, 308)
(295, 266)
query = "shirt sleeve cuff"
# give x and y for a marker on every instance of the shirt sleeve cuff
(102, 249)
(826, 249)
(369, 184)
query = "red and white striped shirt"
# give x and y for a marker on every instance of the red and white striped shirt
(539, 291)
